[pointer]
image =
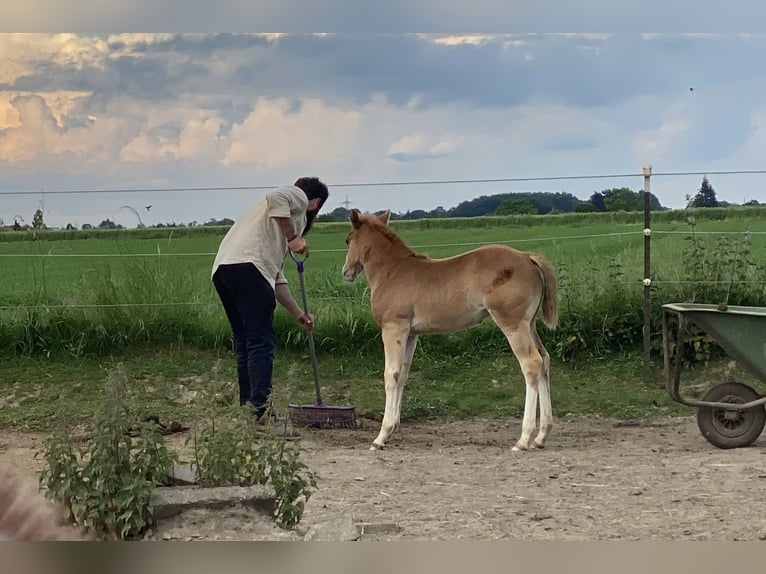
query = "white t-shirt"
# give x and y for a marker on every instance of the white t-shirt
(255, 237)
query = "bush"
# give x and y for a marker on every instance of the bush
(106, 488)
(231, 449)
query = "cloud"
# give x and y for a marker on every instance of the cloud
(654, 145)
(420, 145)
(217, 109)
(351, 16)
(274, 134)
(478, 70)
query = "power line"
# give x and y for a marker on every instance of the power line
(390, 183)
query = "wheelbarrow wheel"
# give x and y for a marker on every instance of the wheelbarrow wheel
(729, 428)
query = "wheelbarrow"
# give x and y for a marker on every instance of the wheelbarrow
(730, 414)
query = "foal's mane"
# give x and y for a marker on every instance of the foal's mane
(376, 225)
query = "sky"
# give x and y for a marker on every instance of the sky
(136, 111)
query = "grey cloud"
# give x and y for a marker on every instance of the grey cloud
(353, 16)
(571, 71)
(410, 157)
(143, 78)
(571, 142)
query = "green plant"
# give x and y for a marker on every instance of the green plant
(233, 449)
(106, 487)
(169, 302)
(716, 273)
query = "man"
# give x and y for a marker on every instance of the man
(247, 274)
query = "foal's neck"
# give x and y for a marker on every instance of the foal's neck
(385, 251)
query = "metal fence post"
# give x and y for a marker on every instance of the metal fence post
(647, 169)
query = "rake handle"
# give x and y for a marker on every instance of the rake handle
(312, 349)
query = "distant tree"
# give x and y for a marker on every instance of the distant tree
(37, 220)
(415, 214)
(705, 196)
(515, 207)
(597, 199)
(752, 203)
(482, 205)
(438, 212)
(212, 221)
(107, 224)
(622, 199)
(337, 214)
(654, 203)
(586, 207)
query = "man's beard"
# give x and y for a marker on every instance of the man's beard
(310, 216)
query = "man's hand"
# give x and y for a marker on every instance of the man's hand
(307, 321)
(298, 245)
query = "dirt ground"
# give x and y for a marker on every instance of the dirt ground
(597, 479)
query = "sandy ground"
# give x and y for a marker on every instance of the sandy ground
(598, 479)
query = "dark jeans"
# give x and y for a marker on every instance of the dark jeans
(249, 302)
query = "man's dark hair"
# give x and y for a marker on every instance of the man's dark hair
(313, 188)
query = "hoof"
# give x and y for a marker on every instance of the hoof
(538, 446)
(518, 448)
(376, 446)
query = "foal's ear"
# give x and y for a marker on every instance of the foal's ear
(354, 217)
(384, 216)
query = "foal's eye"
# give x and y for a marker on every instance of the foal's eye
(347, 241)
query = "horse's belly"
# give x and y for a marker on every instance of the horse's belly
(447, 319)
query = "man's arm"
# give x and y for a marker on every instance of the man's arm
(295, 242)
(281, 202)
(287, 228)
(285, 298)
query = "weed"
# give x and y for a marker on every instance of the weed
(106, 486)
(233, 449)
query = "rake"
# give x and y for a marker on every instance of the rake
(317, 415)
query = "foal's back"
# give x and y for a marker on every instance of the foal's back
(455, 293)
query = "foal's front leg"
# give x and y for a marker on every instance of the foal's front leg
(394, 337)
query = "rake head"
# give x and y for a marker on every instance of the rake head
(320, 416)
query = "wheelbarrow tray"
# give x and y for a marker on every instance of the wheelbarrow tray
(739, 330)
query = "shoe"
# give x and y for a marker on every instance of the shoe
(275, 426)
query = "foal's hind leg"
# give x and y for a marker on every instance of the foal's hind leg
(546, 410)
(409, 352)
(394, 337)
(531, 362)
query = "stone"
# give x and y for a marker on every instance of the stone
(341, 529)
(378, 528)
(169, 501)
(184, 473)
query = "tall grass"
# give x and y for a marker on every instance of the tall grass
(133, 303)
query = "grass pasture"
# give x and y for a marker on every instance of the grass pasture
(75, 303)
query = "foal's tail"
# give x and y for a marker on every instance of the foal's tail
(550, 290)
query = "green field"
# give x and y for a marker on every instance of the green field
(83, 300)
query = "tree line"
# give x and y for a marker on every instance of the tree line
(544, 203)
(523, 203)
